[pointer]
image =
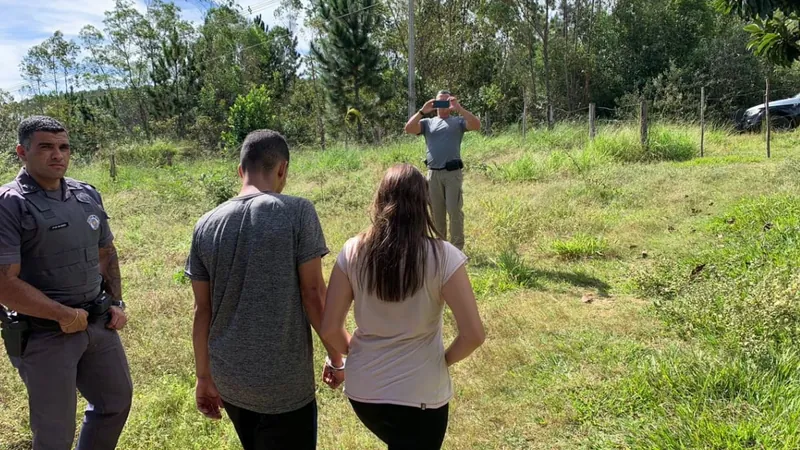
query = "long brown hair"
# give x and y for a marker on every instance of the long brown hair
(393, 252)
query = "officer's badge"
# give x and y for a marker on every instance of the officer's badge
(84, 197)
(93, 222)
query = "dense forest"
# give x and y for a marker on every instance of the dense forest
(149, 74)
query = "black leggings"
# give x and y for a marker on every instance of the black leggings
(294, 430)
(404, 427)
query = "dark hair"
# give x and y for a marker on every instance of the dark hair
(444, 92)
(37, 123)
(262, 150)
(393, 253)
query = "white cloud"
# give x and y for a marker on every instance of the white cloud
(26, 25)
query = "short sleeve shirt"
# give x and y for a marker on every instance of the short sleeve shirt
(443, 139)
(396, 352)
(249, 249)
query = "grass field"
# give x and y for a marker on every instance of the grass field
(691, 263)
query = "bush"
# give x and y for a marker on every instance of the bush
(206, 132)
(253, 111)
(219, 187)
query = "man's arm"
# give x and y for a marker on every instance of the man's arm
(313, 291)
(109, 268)
(473, 123)
(201, 327)
(207, 396)
(23, 298)
(413, 126)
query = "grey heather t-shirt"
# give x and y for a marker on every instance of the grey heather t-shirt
(443, 139)
(260, 345)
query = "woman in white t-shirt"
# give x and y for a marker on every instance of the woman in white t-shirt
(400, 275)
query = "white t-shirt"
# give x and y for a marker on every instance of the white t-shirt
(396, 352)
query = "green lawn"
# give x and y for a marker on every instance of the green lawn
(547, 220)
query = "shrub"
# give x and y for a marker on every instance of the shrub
(250, 112)
(218, 187)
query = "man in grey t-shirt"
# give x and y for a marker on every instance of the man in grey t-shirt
(255, 266)
(443, 136)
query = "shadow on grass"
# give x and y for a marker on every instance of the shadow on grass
(518, 271)
(577, 279)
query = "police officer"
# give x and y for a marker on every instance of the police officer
(60, 289)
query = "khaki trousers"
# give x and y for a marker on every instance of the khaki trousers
(447, 200)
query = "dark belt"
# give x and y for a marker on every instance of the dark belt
(453, 164)
(97, 309)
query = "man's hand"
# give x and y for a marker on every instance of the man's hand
(472, 122)
(428, 108)
(332, 377)
(118, 318)
(74, 321)
(208, 400)
(454, 105)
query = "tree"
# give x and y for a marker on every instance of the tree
(278, 59)
(775, 27)
(176, 82)
(125, 55)
(253, 111)
(64, 55)
(350, 62)
(32, 68)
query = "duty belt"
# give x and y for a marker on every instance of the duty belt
(97, 309)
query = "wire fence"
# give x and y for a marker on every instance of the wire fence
(649, 110)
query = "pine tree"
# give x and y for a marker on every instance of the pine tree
(350, 61)
(176, 82)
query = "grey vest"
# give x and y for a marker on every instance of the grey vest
(60, 251)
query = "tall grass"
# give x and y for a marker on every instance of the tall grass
(666, 143)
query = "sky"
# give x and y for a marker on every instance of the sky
(25, 26)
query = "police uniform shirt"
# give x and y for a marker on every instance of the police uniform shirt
(54, 236)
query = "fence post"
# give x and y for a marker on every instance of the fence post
(550, 117)
(113, 168)
(592, 124)
(766, 117)
(643, 119)
(524, 113)
(702, 120)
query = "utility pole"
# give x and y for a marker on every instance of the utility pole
(412, 94)
(318, 105)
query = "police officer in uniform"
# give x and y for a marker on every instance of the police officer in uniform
(60, 292)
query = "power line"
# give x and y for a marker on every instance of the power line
(264, 6)
(357, 11)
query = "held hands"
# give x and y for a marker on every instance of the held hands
(75, 321)
(333, 376)
(208, 400)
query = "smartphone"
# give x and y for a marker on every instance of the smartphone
(441, 103)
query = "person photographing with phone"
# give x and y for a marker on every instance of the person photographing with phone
(443, 136)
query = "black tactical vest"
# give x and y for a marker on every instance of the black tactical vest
(60, 251)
